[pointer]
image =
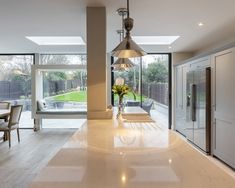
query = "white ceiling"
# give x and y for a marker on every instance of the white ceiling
(152, 17)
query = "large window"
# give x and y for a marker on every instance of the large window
(15, 84)
(65, 90)
(63, 87)
(149, 81)
(63, 59)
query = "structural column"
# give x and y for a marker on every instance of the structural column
(96, 63)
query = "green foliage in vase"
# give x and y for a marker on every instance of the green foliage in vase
(122, 90)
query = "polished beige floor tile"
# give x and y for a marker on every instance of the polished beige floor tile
(108, 154)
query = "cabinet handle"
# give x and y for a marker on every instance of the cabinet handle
(215, 134)
(193, 106)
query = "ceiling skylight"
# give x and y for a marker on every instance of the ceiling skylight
(155, 40)
(59, 40)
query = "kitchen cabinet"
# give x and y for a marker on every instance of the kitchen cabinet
(180, 90)
(223, 68)
(222, 108)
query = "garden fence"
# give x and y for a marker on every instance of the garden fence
(157, 92)
(13, 90)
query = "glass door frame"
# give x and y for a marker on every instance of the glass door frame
(169, 84)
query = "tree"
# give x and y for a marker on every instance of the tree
(17, 63)
(131, 76)
(54, 59)
(155, 72)
(56, 76)
(81, 75)
(16, 69)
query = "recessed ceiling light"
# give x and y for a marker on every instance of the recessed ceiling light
(58, 40)
(169, 47)
(155, 40)
(200, 24)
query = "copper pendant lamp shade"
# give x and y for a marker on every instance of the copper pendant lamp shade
(122, 64)
(128, 48)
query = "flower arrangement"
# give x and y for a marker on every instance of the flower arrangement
(121, 89)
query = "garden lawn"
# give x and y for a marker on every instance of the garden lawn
(74, 96)
(81, 96)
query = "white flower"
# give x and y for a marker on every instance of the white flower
(119, 81)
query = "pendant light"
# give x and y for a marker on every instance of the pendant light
(122, 64)
(128, 48)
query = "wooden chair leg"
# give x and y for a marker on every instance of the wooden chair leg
(18, 134)
(9, 137)
(5, 136)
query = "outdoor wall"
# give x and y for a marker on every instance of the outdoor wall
(96, 63)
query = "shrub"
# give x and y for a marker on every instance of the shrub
(46, 94)
(60, 92)
(22, 97)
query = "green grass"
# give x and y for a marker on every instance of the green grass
(81, 96)
(74, 96)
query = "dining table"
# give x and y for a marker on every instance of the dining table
(3, 114)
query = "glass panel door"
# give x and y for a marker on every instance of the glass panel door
(132, 79)
(149, 80)
(155, 90)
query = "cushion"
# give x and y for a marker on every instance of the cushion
(41, 105)
(4, 126)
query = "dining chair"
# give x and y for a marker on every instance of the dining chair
(13, 123)
(5, 106)
(147, 105)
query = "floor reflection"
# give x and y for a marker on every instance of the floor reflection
(155, 174)
(140, 136)
(104, 154)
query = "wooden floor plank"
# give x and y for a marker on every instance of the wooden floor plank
(20, 164)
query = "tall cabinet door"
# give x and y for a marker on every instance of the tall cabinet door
(200, 122)
(224, 105)
(178, 98)
(180, 90)
(189, 126)
(185, 69)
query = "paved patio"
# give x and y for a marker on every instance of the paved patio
(159, 113)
